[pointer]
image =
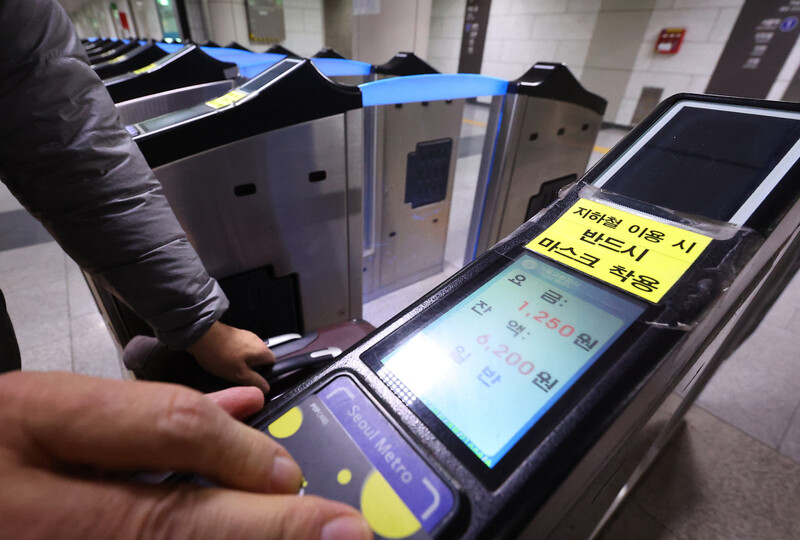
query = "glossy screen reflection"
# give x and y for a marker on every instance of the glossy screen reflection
(491, 366)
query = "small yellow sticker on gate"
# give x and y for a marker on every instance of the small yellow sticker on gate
(145, 69)
(639, 255)
(223, 101)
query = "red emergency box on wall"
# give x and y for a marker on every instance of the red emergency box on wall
(669, 41)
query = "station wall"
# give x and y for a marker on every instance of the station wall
(520, 33)
(622, 67)
(608, 44)
(303, 21)
(146, 19)
(382, 29)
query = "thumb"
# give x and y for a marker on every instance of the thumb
(239, 401)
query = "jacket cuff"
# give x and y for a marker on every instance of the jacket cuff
(210, 311)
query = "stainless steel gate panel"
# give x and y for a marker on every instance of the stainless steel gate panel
(146, 107)
(546, 137)
(410, 239)
(373, 162)
(354, 126)
(282, 199)
(556, 141)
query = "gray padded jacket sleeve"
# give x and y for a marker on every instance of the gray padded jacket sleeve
(67, 159)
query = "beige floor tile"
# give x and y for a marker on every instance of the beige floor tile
(631, 522)
(790, 445)
(33, 276)
(80, 297)
(93, 350)
(461, 209)
(714, 481)
(31, 256)
(39, 314)
(382, 309)
(55, 355)
(757, 389)
(8, 203)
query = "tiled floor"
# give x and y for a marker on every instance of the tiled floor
(55, 318)
(733, 471)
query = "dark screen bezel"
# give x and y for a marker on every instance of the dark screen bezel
(763, 218)
(627, 159)
(494, 477)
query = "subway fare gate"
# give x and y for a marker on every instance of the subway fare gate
(548, 125)
(267, 182)
(142, 56)
(410, 155)
(412, 149)
(152, 105)
(258, 178)
(187, 66)
(491, 406)
(250, 64)
(123, 47)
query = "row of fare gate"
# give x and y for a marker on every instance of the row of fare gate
(309, 186)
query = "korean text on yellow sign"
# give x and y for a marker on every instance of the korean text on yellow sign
(639, 255)
(223, 101)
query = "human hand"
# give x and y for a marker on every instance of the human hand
(63, 435)
(231, 353)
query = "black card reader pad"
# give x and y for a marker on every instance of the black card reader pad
(351, 453)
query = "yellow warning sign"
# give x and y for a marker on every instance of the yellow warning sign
(639, 255)
(223, 101)
(145, 69)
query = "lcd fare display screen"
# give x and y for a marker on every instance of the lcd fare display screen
(489, 367)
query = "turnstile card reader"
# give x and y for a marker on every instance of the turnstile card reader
(250, 65)
(548, 126)
(185, 67)
(474, 408)
(102, 46)
(135, 111)
(212, 124)
(266, 182)
(140, 57)
(153, 105)
(123, 47)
